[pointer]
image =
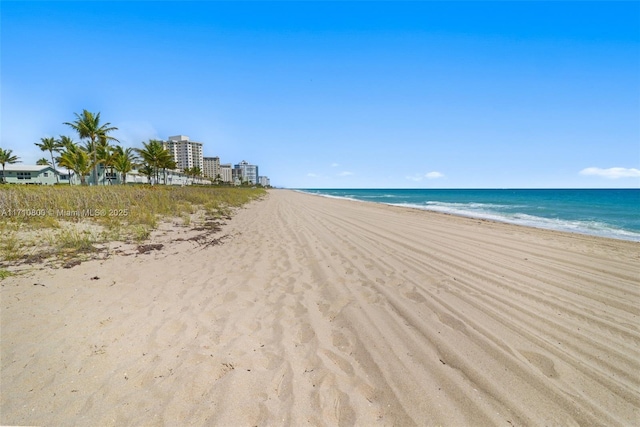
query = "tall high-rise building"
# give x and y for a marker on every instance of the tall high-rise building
(187, 154)
(247, 172)
(211, 167)
(226, 172)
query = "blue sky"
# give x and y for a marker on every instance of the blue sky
(342, 94)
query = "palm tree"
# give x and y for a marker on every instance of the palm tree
(124, 161)
(50, 145)
(167, 162)
(154, 155)
(88, 126)
(6, 156)
(78, 160)
(65, 141)
(92, 151)
(106, 156)
(196, 172)
(193, 172)
(147, 170)
(188, 172)
(43, 162)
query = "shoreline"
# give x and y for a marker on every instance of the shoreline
(325, 311)
(538, 222)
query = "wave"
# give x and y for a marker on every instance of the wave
(331, 196)
(501, 213)
(474, 205)
(380, 196)
(509, 213)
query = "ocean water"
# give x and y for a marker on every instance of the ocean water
(611, 213)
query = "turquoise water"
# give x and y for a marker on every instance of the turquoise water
(599, 212)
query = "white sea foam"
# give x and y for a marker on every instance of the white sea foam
(330, 196)
(492, 212)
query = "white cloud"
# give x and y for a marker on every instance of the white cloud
(312, 175)
(612, 173)
(335, 165)
(434, 175)
(419, 177)
(415, 178)
(345, 173)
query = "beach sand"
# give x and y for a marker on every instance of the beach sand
(318, 311)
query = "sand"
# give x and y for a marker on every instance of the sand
(317, 311)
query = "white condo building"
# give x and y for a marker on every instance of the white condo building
(247, 172)
(264, 181)
(226, 172)
(187, 154)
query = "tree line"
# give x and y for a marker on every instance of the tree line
(97, 149)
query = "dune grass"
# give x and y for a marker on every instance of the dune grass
(73, 218)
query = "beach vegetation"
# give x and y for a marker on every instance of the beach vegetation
(146, 170)
(194, 172)
(124, 161)
(155, 157)
(5, 273)
(167, 162)
(11, 247)
(49, 144)
(106, 156)
(77, 240)
(140, 233)
(186, 219)
(78, 217)
(88, 127)
(7, 158)
(65, 141)
(77, 159)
